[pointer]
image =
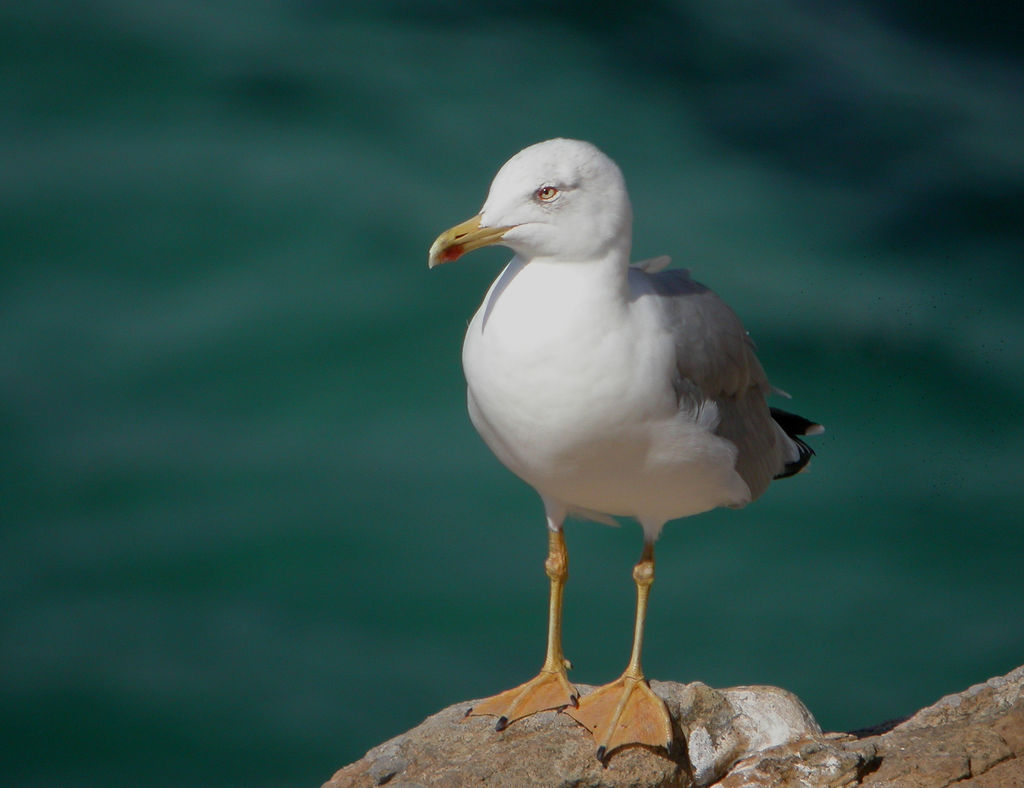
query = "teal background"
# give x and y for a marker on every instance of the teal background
(247, 529)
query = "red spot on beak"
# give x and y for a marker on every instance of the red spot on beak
(452, 253)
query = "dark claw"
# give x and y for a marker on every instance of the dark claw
(468, 712)
(601, 754)
(502, 724)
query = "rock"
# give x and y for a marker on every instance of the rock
(723, 727)
(733, 738)
(973, 738)
(715, 728)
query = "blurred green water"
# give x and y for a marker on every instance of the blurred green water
(247, 529)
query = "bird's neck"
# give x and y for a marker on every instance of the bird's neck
(607, 273)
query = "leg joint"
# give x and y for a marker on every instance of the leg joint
(556, 566)
(643, 573)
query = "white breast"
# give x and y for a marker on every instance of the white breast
(562, 393)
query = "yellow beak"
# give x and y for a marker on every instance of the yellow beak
(452, 244)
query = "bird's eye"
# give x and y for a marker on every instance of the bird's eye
(546, 193)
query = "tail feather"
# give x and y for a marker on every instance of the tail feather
(794, 426)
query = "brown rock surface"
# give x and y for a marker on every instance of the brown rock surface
(734, 738)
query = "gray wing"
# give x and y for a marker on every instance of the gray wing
(715, 360)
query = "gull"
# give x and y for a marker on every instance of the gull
(614, 390)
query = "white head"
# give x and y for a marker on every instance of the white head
(560, 199)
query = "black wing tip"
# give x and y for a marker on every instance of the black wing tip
(795, 426)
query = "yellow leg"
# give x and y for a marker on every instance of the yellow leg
(549, 689)
(627, 711)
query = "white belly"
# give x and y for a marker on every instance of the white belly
(564, 394)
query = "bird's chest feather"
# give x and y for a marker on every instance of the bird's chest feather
(552, 366)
